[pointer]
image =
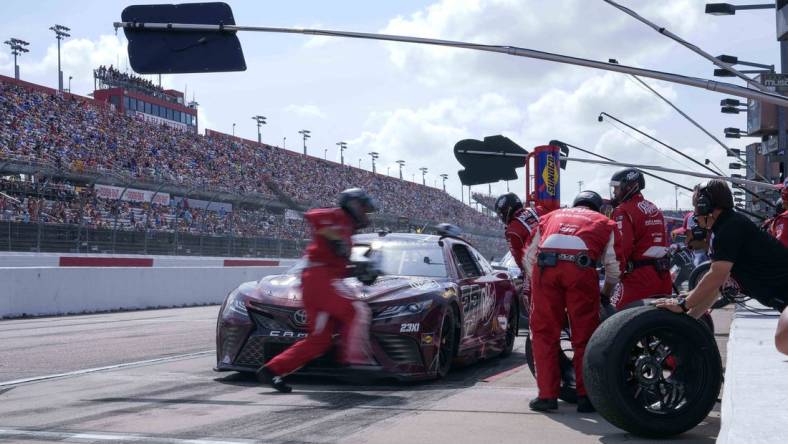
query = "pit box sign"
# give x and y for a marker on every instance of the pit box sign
(762, 116)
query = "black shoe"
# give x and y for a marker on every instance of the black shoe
(266, 377)
(584, 405)
(543, 405)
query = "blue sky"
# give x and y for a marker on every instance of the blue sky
(414, 103)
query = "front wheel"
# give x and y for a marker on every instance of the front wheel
(512, 328)
(447, 347)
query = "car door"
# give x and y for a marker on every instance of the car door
(493, 286)
(473, 292)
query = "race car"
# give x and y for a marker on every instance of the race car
(438, 303)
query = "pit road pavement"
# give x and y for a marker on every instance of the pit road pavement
(146, 376)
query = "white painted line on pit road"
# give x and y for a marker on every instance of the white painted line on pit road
(108, 367)
(111, 437)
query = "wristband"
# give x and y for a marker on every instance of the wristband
(682, 302)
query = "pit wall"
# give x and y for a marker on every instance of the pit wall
(53, 284)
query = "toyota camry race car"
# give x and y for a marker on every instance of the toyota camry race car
(438, 302)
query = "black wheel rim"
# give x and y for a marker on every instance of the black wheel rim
(663, 375)
(446, 349)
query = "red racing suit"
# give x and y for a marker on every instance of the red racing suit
(518, 235)
(644, 239)
(779, 228)
(568, 287)
(330, 305)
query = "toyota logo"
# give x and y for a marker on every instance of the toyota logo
(299, 317)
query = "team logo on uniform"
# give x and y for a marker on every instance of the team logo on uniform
(299, 318)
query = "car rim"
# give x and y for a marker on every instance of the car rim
(661, 374)
(447, 341)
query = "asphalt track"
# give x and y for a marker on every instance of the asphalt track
(146, 377)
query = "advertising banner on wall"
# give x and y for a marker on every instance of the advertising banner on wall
(131, 194)
(218, 207)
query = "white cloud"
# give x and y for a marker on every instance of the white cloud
(306, 111)
(574, 27)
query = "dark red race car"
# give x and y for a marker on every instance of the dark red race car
(439, 302)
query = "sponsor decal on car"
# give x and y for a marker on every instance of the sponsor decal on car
(410, 327)
(424, 284)
(427, 338)
(286, 334)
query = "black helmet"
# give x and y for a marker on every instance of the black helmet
(625, 184)
(506, 205)
(590, 199)
(357, 203)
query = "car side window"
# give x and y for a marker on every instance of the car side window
(465, 261)
(482, 262)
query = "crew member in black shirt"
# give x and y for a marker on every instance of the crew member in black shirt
(757, 261)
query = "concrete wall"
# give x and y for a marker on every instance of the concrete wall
(62, 290)
(15, 259)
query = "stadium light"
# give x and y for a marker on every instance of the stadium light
(735, 133)
(726, 73)
(17, 49)
(732, 110)
(374, 155)
(306, 134)
(444, 176)
(733, 60)
(734, 152)
(342, 147)
(401, 164)
(423, 175)
(61, 32)
(735, 166)
(729, 9)
(260, 121)
(730, 102)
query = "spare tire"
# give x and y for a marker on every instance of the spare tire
(652, 372)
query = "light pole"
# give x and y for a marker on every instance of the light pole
(374, 155)
(342, 147)
(69, 83)
(233, 129)
(401, 164)
(677, 198)
(284, 142)
(61, 32)
(423, 175)
(579, 186)
(260, 121)
(17, 49)
(359, 163)
(325, 153)
(306, 134)
(781, 13)
(444, 176)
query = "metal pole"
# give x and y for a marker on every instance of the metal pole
(781, 115)
(59, 72)
(728, 151)
(711, 85)
(16, 68)
(685, 43)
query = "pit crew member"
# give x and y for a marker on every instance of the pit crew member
(757, 261)
(644, 242)
(561, 259)
(330, 305)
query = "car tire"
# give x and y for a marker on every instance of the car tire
(697, 274)
(512, 328)
(447, 345)
(568, 389)
(652, 372)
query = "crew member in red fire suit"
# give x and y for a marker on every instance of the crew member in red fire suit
(330, 305)
(644, 240)
(779, 225)
(562, 258)
(520, 223)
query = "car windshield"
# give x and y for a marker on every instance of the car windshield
(405, 258)
(508, 261)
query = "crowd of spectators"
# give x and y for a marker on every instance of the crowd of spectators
(112, 77)
(84, 136)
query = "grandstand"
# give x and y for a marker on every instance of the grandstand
(83, 174)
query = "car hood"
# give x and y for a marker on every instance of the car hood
(385, 288)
